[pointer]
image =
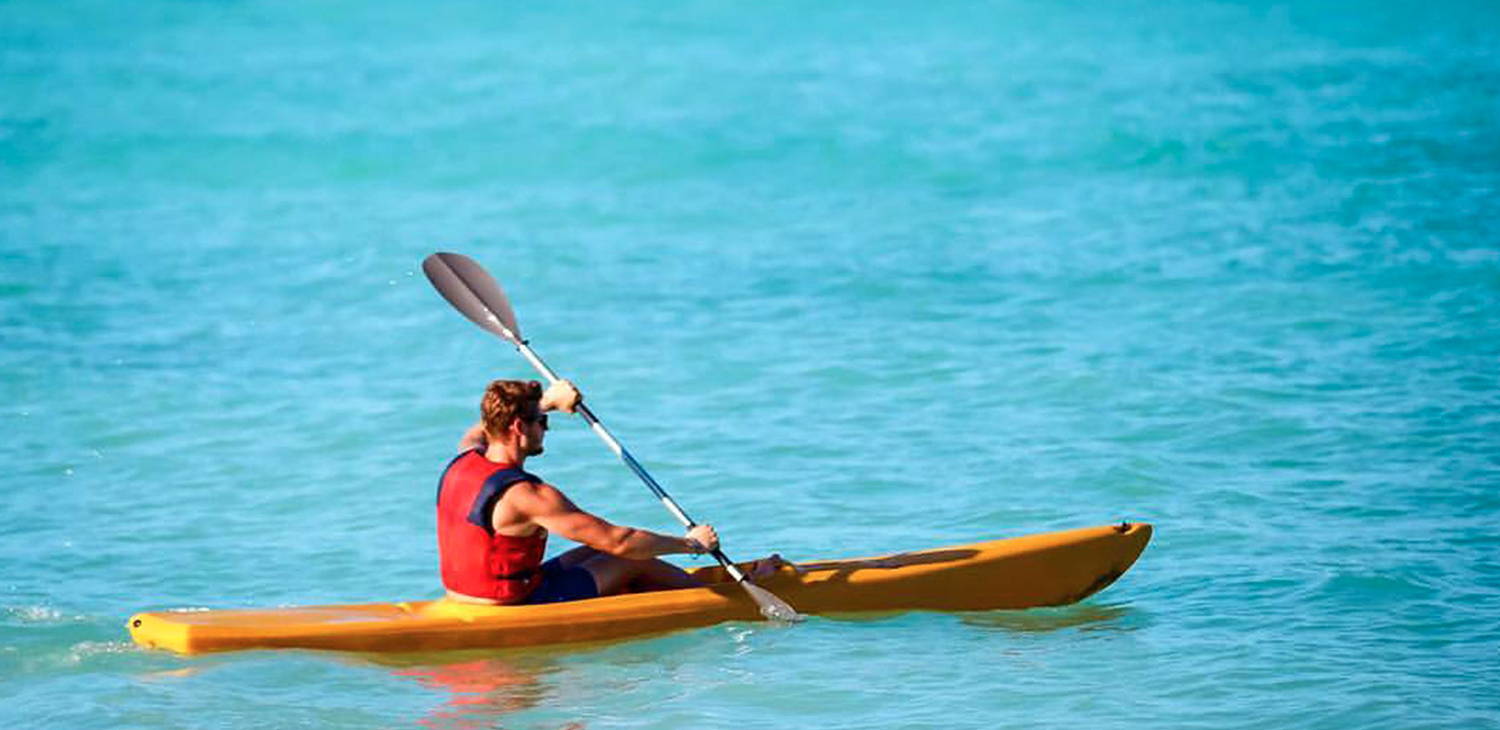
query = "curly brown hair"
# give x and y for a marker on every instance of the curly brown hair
(505, 400)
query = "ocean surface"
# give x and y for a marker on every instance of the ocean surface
(850, 278)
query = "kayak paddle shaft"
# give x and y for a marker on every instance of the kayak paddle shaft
(620, 451)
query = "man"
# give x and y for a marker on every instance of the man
(494, 518)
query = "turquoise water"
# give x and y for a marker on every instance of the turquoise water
(850, 278)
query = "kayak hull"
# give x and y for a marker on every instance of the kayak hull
(1050, 569)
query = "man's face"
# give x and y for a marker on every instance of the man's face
(533, 425)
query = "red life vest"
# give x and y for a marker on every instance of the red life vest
(476, 561)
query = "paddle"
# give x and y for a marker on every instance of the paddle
(476, 295)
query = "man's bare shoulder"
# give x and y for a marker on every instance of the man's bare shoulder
(525, 502)
(536, 497)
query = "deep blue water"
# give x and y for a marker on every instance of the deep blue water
(850, 278)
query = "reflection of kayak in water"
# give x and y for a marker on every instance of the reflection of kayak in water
(477, 689)
(1050, 569)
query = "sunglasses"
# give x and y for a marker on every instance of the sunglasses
(539, 418)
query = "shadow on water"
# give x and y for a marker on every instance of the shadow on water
(1085, 617)
(528, 686)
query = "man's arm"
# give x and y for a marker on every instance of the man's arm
(474, 438)
(560, 396)
(548, 507)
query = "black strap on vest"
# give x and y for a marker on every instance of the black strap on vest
(489, 492)
(444, 476)
(518, 575)
(484, 502)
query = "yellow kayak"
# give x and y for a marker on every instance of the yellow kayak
(1050, 569)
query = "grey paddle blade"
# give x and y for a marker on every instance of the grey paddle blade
(771, 607)
(473, 292)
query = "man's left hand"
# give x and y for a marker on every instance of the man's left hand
(561, 396)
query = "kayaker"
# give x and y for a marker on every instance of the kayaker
(494, 517)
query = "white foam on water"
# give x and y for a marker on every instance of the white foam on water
(85, 650)
(38, 614)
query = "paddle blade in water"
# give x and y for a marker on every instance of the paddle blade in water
(473, 292)
(771, 607)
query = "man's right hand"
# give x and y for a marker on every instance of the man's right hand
(703, 538)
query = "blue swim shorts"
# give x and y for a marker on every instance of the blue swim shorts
(563, 584)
